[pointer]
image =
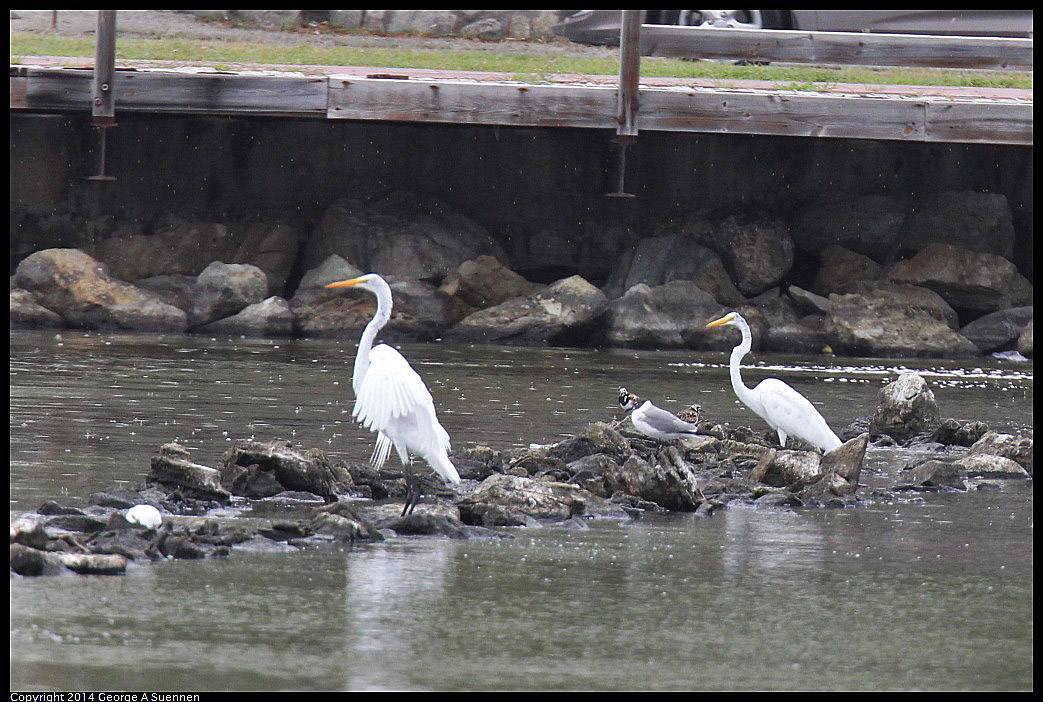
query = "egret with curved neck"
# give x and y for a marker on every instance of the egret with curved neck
(784, 409)
(392, 400)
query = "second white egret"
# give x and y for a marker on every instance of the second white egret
(392, 400)
(784, 409)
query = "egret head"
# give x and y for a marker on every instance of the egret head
(628, 400)
(728, 319)
(371, 282)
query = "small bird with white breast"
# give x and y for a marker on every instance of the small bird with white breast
(652, 421)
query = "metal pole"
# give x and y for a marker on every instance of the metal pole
(103, 93)
(627, 94)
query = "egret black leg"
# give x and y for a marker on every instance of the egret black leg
(412, 489)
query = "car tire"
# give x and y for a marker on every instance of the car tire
(769, 19)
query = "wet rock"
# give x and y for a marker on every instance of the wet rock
(27, 313)
(1016, 448)
(173, 289)
(477, 462)
(846, 460)
(507, 500)
(271, 317)
(781, 468)
(80, 290)
(32, 562)
(342, 521)
(29, 531)
(978, 283)
(999, 329)
(840, 269)
(485, 282)
(905, 407)
(672, 315)
(173, 466)
(990, 466)
(225, 289)
(1025, 341)
(290, 468)
(562, 313)
(931, 475)
(951, 433)
(777, 500)
(759, 253)
(665, 479)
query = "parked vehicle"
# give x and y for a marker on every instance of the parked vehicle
(602, 26)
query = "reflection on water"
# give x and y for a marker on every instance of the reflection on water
(931, 593)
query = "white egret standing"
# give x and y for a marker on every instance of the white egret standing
(783, 408)
(392, 400)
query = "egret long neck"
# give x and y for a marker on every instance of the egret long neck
(381, 318)
(741, 391)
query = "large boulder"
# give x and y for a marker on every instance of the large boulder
(663, 479)
(1016, 448)
(673, 315)
(267, 318)
(180, 247)
(971, 220)
(1025, 341)
(839, 269)
(564, 312)
(658, 260)
(485, 282)
(977, 283)
(80, 290)
(757, 254)
(511, 500)
(999, 329)
(225, 289)
(27, 313)
(879, 326)
(905, 407)
(401, 234)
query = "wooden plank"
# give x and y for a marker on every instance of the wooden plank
(711, 110)
(194, 93)
(505, 104)
(837, 47)
(977, 122)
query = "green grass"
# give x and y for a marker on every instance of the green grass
(532, 67)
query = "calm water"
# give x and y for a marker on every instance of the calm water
(932, 593)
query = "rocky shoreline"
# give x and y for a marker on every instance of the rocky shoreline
(607, 472)
(939, 282)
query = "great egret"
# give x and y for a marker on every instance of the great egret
(783, 408)
(392, 400)
(652, 421)
(145, 515)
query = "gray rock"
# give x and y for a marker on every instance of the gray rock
(173, 466)
(270, 317)
(990, 466)
(673, 315)
(1025, 341)
(80, 289)
(757, 254)
(782, 468)
(839, 269)
(665, 480)
(998, 329)
(485, 282)
(931, 475)
(508, 500)
(27, 313)
(658, 260)
(1016, 448)
(876, 326)
(399, 234)
(562, 313)
(225, 289)
(978, 283)
(292, 468)
(906, 407)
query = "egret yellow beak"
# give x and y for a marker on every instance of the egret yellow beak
(344, 283)
(719, 322)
